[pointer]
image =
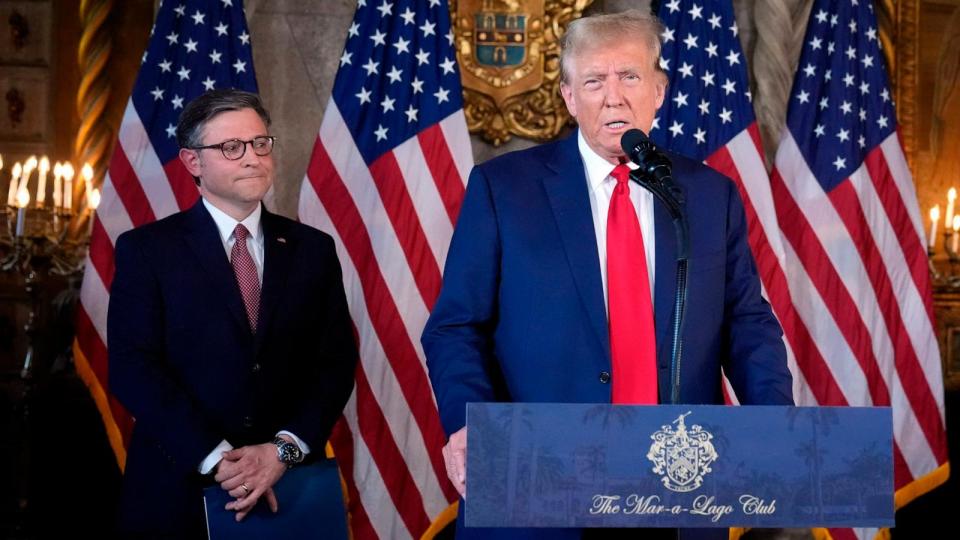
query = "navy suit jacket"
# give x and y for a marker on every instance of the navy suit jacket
(521, 315)
(185, 363)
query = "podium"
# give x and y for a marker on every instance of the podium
(602, 465)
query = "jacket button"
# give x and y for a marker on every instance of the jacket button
(604, 377)
(248, 422)
(255, 368)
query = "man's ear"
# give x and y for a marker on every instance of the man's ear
(190, 160)
(567, 93)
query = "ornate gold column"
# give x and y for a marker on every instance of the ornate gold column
(94, 136)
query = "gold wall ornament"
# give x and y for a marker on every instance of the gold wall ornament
(509, 56)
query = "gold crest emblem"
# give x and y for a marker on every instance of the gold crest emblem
(509, 56)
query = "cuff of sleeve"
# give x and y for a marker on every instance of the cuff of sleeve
(214, 457)
(304, 447)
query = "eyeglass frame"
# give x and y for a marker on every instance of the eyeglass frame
(273, 141)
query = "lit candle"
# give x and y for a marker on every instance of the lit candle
(951, 196)
(14, 178)
(42, 184)
(86, 172)
(93, 201)
(57, 193)
(934, 218)
(956, 232)
(23, 199)
(68, 187)
(28, 168)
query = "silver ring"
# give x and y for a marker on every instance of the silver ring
(246, 490)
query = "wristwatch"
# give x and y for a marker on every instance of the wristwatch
(288, 453)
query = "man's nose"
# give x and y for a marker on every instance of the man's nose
(613, 96)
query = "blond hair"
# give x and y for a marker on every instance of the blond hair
(588, 32)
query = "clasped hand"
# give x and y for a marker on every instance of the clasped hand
(249, 473)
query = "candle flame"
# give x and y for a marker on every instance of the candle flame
(956, 223)
(935, 213)
(93, 200)
(17, 169)
(31, 163)
(68, 171)
(23, 198)
(44, 165)
(87, 172)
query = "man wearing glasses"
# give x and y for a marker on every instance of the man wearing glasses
(228, 331)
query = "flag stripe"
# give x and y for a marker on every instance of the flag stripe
(903, 180)
(449, 183)
(101, 253)
(426, 199)
(380, 305)
(387, 252)
(384, 516)
(144, 163)
(897, 216)
(390, 398)
(406, 224)
(183, 184)
(129, 189)
(822, 272)
(400, 485)
(341, 439)
(773, 277)
(454, 128)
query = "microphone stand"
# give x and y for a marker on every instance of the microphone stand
(664, 192)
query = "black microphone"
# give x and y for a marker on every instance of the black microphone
(641, 150)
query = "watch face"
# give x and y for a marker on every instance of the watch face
(289, 453)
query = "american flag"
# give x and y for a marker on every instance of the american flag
(386, 179)
(195, 46)
(708, 115)
(856, 261)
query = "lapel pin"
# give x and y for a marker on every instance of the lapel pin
(282, 240)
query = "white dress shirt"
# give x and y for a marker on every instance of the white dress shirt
(226, 226)
(600, 187)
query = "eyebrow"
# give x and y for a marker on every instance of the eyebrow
(601, 74)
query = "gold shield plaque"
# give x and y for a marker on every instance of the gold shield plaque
(509, 55)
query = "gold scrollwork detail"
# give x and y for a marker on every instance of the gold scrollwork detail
(509, 56)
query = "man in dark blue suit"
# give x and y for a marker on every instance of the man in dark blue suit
(529, 281)
(229, 337)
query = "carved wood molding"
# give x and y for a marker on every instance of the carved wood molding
(899, 36)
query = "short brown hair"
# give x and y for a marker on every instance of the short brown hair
(209, 104)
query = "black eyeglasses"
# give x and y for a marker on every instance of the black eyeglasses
(234, 149)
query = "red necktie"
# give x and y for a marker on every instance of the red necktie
(632, 338)
(246, 272)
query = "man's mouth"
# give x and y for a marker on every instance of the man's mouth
(616, 124)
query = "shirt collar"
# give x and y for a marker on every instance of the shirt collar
(226, 224)
(598, 169)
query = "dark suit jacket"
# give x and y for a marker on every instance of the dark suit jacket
(521, 313)
(185, 364)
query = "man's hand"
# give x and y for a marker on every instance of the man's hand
(248, 473)
(455, 459)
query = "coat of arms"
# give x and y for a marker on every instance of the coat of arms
(682, 457)
(509, 56)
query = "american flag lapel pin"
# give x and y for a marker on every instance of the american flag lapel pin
(282, 240)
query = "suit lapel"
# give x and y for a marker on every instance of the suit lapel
(277, 262)
(566, 188)
(665, 281)
(202, 236)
